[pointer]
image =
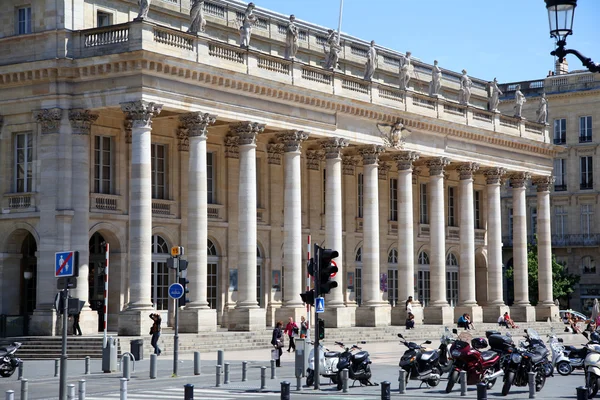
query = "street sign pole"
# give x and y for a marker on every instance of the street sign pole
(63, 357)
(176, 336)
(316, 323)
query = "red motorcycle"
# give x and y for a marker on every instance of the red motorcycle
(481, 366)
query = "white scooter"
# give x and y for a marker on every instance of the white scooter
(560, 361)
(328, 361)
(592, 369)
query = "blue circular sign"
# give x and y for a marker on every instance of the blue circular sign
(175, 291)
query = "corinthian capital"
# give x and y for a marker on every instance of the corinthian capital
(141, 112)
(292, 140)
(519, 179)
(49, 119)
(197, 123)
(349, 164)
(543, 183)
(370, 153)
(404, 159)
(436, 165)
(494, 175)
(333, 147)
(314, 158)
(274, 152)
(383, 170)
(466, 170)
(232, 149)
(246, 131)
(81, 121)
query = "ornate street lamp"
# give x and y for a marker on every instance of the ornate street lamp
(560, 19)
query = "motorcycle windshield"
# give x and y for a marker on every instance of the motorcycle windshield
(532, 333)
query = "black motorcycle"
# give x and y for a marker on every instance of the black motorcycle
(528, 357)
(9, 362)
(446, 361)
(420, 364)
(357, 364)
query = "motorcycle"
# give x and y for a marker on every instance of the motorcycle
(420, 364)
(529, 356)
(9, 362)
(444, 350)
(481, 366)
(357, 364)
(327, 364)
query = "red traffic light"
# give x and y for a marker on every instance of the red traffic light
(334, 269)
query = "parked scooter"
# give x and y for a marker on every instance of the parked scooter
(419, 363)
(9, 362)
(592, 367)
(445, 357)
(568, 358)
(528, 357)
(328, 361)
(357, 364)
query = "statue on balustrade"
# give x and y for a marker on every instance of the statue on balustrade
(495, 95)
(519, 101)
(371, 63)
(436, 80)
(197, 20)
(542, 111)
(464, 94)
(332, 49)
(246, 29)
(405, 71)
(144, 8)
(291, 39)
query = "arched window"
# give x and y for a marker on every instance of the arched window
(160, 273)
(358, 277)
(392, 278)
(452, 279)
(423, 291)
(212, 275)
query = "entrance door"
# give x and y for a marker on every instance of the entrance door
(97, 272)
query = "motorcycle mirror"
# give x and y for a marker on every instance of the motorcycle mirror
(560, 340)
(400, 336)
(455, 331)
(427, 342)
(525, 330)
(363, 342)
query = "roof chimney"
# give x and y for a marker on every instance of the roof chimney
(561, 68)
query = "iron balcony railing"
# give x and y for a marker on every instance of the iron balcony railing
(562, 240)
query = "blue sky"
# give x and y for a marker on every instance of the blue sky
(507, 39)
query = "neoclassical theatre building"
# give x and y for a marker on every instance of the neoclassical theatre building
(236, 132)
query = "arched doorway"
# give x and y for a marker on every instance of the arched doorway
(481, 279)
(97, 273)
(259, 269)
(392, 280)
(28, 275)
(358, 277)
(160, 273)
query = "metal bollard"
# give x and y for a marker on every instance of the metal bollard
(56, 367)
(263, 378)
(197, 363)
(82, 389)
(24, 389)
(226, 373)
(153, 367)
(244, 369)
(531, 385)
(123, 389)
(402, 381)
(87, 365)
(298, 383)
(273, 369)
(10, 395)
(71, 392)
(188, 392)
(218, 376)
(345, 380)
(582, 393)
(220, 357)
(385, 390)
(126, 372)
(463, 383)
(481, 391)
(285, 390)
(20, 371)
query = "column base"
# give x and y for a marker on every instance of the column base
(438, 315)
(543, 312)
(44, 323)
(374, 316)
(492, 313)
(247, 319)
(399, 315)
(340, 317)
(136, 322)
(197, 320)
(522, 313)
(475, 312)
(283, 314)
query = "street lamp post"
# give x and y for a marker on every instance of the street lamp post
(560, 18)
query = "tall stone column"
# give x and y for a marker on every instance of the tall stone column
(439, 311)
(521, 309)
(545, 308)
(292, 226)
(406, 243)
(197, 316)
(373, 311)
(134, 320)
(466, 296)
(495, 305)
(247, 316)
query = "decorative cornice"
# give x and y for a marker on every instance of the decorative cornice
(141, 112)
(370, 153)
(128, 127)
(349, 164)
(543, 183)
(333, 147)
(274, 152)
(232, 149)
(404, 159)
(466, 170)
(494, 175)
(519, 179)
(383, 170)
(49, 119)
(81, 121)
(314, 158)
(197, 123)
(183, 139)
(436, 165)
(292, 140)
(246, 131)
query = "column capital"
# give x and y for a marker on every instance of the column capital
(183, 139)
(141, 112)
(128, 127)
(49, 119)
(436, 165)
(370, 153)
(314, 158)
(292, 140)
(349, 164)
(333, 147)
(494, 175)
(246, 131)
(384, 168)
(404, 159)
(232, 148)
(519, 179)
(467, 169)
(274, 152)
(543, 183)
(82, 120)
(197, 123)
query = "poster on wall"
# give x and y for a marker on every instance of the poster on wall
(233, 280)
(276, 278)
(351, 281)
(383, 286)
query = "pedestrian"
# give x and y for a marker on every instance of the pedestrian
(408, 305)
(410, 321)
(76, 327)
(303, 327)
(277, 342)
(155, 332)
(292, 330)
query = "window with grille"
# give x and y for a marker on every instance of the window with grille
(160, 273)
(210, 177)
(393, 199)
(212, 275)
(585, 129)
(587, 177)
(587, 219)
(452, 280)
(159, 171)
(24, 20)
(361, 189)
(23, 178)
(423, 208)
(451, 206)
(393, 277)
(560, 131)
(358, 277)
(324, 192)
(560, 173)
(510, 223)
(423, 277)
(477, 208)
(103, 168)
(534, 221)
(560, 221)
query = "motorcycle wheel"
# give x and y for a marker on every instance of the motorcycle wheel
(339, 381)
(540, 381)
(310, 378)
(508, 381)
(548, 368)
(452, 379)
(5, 373)
(564, 368)
(446, 368)
(435, 381)
(592, 386)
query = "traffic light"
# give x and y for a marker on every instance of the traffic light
(327, 270)
(183, 300)
(308, 297)
(321, 329)
(311, 267)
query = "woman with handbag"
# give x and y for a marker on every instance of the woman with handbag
(277, 342)
(291, 329)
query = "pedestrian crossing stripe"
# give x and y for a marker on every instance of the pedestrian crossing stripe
(177, 393)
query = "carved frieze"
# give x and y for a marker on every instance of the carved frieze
(314, 158)
(519, 179)
(333, 147)
(383, 170)
(436, 165)
(543, 183)
(349, 164)
(246, 131)
(81, 121)
(404, 159)
(49, 119)
(141, 112)
(197, 123)
(292, 140)
(466, 170)
(183, 139)
(232, 149)
(494, 175)
(274, 152)
(370, 153)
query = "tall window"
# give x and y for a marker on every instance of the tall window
(560, 131)
(534, 221)
(102, 164)
(587, 177)
(585, 129)
(258, 183)
(103, 19)
(212, 276)
(477, 208)
(24, 20)
(324, 191)
(259, 267)
(358, 277)
(423, 291)
(393, 199)
(210, 177)
(159, 171)
(361, 193)
(392, 281)
(560, 172)
(510, 223)
(160, 273)
(423, 214)
(452, 280)
(587, 219)
(23, 163)
(451, 206)
(560, 221)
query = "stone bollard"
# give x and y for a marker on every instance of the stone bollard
(385, 390)
(82, 389)
(220, 357)
(463, 383)
(188, 392)
(345, 380)
(10, 395)
(126, 372)
(71, 392)
(285, 390)
(87, 365)
(218, 384)
(153, 367)
(263, 378)
(531, 385)
(56, 367)
(123, 389)
(273, 369)
(582, 393)
(402, 381)
(481, 391)
(244, 370)
(20, 371)
(24, 389)
(197, 363)
(226, 378)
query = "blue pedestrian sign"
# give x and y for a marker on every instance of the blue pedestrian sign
(319, 305)
(64, 264)
(175, 291)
